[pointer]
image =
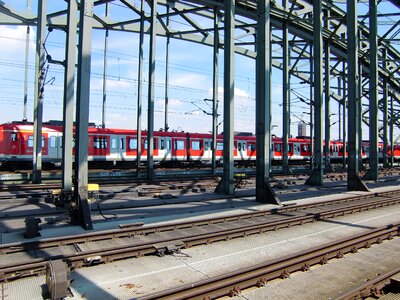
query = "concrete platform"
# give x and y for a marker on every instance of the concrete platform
(151, 210)
(135, 277)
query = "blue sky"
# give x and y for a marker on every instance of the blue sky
(190, 80)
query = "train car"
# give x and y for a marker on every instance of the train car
(16, 144)
(119, 147)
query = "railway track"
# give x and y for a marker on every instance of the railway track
(232, 283)
(371, 288)
(135, 240)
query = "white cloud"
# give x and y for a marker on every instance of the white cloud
(14, 38)
(195, 81)
(238, 92)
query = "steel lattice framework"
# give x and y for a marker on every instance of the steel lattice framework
(297, 16)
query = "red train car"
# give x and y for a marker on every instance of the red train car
(120, 146)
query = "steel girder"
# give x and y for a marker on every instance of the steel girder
(199, 14)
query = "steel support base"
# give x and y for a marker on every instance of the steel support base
(315, 178)
(370, 175)
(219, 189)
(358, 185)
(267, 195)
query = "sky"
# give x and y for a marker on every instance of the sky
(190, 81)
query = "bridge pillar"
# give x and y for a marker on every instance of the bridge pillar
(82, 115)
(264, 193)
(229, 88)
(354, 182)
(317, 173)
(372, 173)
(152, 75)
(69, 95)
(39, 89)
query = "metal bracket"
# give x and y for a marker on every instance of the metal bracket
(166, 248)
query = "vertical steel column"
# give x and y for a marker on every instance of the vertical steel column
(39, 90)
(105, 53)
(82, 113)
(311, 108)
(139, 99)
(150, 105)
(215, 91)
(391, 133)
(327, 98)
(344, 116)
(373, 93)
(360, 111)
(340, 108)
(27, 39)
(286, 91)
(166, 126)
(264, 192)
(69, 93)
(229, 88)
(353, 180)
(385, 100)
(317, 173)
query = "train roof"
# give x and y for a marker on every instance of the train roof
(21, 126)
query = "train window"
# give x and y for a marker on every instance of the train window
(100, 143)
(196, 145)
(162, 144)
(179, 145)
(122, 143)
(239, 146)
(305, 148)
(290, 147)
(251, 147)
(168, 144)
(13, 137)
(53, 142)
(114, 143)
(244, 146)
(278, 147)
(133, 144)
(220, 146)
(145, 145)
(30, 141)
(206, 145)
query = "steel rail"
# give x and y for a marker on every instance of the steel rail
(372, 287)
(140, 247)
(232, 283)
(126, 231)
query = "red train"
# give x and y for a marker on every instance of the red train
(119, 146)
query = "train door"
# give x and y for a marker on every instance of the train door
(55, 149)
(14, 147)
(296, 150)
(242, 150)
(179, 149)
(165, 148)
(118, 146)
(207, 150)
(251, 150)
